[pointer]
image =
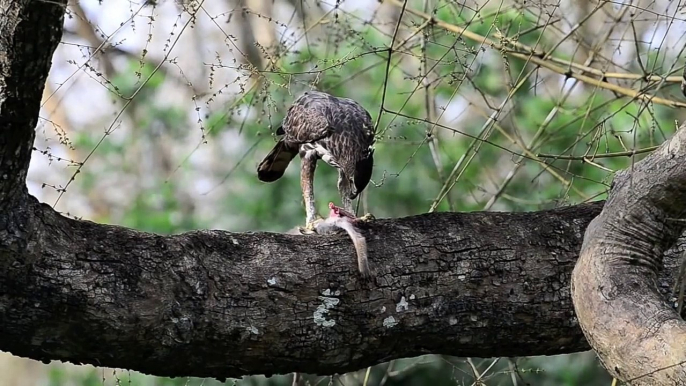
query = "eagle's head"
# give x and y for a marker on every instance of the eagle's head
(363, 173)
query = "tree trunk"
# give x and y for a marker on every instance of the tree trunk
(29, 34)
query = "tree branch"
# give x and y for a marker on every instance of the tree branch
(220, 304)
(638, 337)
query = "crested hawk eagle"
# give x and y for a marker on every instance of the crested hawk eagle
(322, 126)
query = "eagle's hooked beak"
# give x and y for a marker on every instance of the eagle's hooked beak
(353, 190)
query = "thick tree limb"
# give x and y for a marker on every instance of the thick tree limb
(220, 304)
(213, 303)
(638, 337)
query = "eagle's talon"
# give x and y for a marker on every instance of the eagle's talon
(366, 218)
(311, 227)
(307, 230)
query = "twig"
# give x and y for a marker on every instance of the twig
(546, 63)
(629, 153)
(430, 106)
(388, 65)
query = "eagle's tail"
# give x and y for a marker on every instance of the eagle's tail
(275, 163)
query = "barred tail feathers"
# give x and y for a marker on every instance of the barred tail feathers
(274, 165)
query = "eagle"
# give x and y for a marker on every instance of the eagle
(322, 126)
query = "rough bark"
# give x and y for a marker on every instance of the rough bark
(214, 303)
(638, 336)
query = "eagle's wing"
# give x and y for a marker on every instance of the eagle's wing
(339, 129)
(353, 133)
(308, 118)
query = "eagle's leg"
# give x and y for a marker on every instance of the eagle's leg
(345, 189)
(307, 167)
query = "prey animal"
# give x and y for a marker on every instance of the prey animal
(339, 218)
(338, 131)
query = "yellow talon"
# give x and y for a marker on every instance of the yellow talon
(367, 218)
(306, 230)
(310, 228)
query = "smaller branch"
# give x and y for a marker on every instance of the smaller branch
(85, 30)
(585, 68)
(541, 129)
(474, 146)
(121, 112)
(430, 105)
(629, 153)
(388, 66)
(617, 75)
(545, 63)
(163, 66)
(533, 157)
(253, 56)
(597, 165)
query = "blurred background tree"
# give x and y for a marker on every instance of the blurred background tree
(156, 114)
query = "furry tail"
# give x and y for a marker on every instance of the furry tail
(360, 244)
(275, 163)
